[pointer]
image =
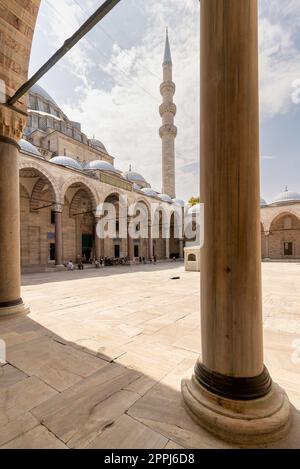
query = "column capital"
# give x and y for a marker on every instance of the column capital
(57, 208)
(12, 123)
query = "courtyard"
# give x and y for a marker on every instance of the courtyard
(99, 361)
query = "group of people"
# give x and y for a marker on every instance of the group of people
(107, 261)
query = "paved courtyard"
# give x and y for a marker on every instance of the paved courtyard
(99, 361)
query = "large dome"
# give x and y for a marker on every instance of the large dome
(29, 148)
(97, 144)
(37, 89)
(66, 161)
(286, 197)
(100, 165)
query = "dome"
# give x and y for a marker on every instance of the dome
(97, 144)
(165, 198)
(286, 197)
(149, 192)
(29, 148)
(134, 177)
(37, 89)
(194, 209)
(263, 203)
(178, 202)
(100, 165)
(66, 161)
(136, 187)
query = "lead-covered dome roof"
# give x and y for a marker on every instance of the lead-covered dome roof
(66, 161)
(286, 197)
(29, 148)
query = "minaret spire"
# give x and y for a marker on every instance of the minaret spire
(167, 55)
(168, 131)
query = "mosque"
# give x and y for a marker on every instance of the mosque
(65, 176)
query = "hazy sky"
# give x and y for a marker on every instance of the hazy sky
(110, 83)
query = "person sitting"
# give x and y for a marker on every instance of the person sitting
(70, 265)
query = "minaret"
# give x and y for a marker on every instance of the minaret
(168, 131)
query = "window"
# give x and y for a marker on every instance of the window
(52, 217)
(117, 251)
(288, 249)
(136, 250)
(191, 258)
(52, 251)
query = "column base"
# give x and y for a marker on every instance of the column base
(248, 423)
(14, 311)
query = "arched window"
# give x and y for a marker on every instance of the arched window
(191, 258)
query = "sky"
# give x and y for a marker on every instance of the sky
(110, 83)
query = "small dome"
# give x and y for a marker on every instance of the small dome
(263, 203)
(66, 161)
(165, 198)
(100, 165)
(194, 209)
(29, 148)
(97, 144)
(286, 197)
(149, 192)
(134, 177)
(136, 187)
(178, 202)
(37, 89)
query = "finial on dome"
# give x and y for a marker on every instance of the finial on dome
(286, 189)
(130, 168)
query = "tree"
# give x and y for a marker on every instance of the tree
(194, 201)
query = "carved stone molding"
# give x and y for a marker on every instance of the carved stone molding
(12, 123)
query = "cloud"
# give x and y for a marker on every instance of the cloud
(116, 72)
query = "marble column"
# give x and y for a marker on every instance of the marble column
(58, 236)
(11, 126)
(167, 240)
(267, 238)
(181, 248)
(98, 242)
(231, 393)
(150, 241)
(130, 245)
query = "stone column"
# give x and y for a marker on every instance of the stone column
(231, 393)
(130, 245)
(11, 126)
(181, 248)
(98, 241)
(58, 236)
(267, 238)
(150, 241)
(167, 248)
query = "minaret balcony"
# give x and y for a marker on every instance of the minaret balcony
(167, 87)
(168, 130)
(167, 108)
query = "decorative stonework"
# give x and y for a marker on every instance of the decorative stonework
(113, 181)
(38, 167)
(88, 187)
(12, 123)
